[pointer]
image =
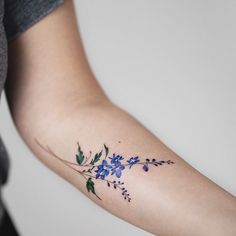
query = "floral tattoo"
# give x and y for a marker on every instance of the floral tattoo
(105, 167)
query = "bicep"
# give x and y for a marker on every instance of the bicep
(48, 68)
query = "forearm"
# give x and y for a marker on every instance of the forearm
(168, 199)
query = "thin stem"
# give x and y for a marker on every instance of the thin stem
(48, 150)
(124, 164)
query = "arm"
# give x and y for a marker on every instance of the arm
(56, 102)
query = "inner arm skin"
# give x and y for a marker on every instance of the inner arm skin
(53, 96)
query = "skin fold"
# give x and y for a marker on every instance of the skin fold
(54, 98)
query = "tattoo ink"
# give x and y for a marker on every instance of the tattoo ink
(105, 167)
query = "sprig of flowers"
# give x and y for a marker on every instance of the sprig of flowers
(104, 167)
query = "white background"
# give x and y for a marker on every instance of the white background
(171, 64)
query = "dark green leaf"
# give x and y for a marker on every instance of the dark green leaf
(106, 150)
(79, 156)
(96, 158)
(90, 186)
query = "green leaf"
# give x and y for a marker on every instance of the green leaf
(90, 186)
(79, 156)
(96, 158)
(106, 150)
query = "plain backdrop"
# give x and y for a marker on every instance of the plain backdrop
(171, 64)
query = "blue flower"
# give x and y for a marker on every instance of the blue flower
(115, 159)
(117, 170)
(133, 160)
(103, 170)
(117, 166)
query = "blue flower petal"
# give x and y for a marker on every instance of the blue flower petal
(118, 173)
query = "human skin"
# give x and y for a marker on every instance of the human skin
(55, 101)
